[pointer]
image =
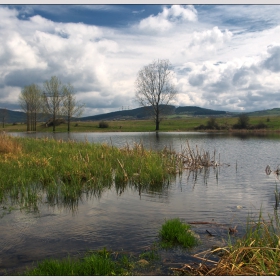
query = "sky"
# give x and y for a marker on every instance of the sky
(224, 57)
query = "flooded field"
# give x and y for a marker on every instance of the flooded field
(129, 219)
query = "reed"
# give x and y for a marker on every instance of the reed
(60, 172)
(255, 254)
(8, 145)
(66, 170)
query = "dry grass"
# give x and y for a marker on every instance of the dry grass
(194, 159)
(256, 254)
(9, 145)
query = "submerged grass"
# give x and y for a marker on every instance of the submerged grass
(66, 170)
(59, 172)
(175, 232)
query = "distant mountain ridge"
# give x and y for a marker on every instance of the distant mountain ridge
(143, 113)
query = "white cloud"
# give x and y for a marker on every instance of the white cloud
(168, 18)
(216, 69)
(210, 39)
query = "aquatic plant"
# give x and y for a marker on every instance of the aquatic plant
(100, 263)
(174, 232)
(60, 172)
(257, 253)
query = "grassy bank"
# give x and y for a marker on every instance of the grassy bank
(184, 123)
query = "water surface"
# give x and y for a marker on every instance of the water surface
(130, 220)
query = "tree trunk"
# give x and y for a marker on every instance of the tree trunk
(157, 117)
(68, 121)
(54, 122)
(157, 125)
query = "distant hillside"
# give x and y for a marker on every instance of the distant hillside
(138, 113)
(269, 112)
(12, 116)
(142, 113)
(195, 111)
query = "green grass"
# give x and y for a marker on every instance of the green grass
(174, 232)
(65, 170)
(171, 123)
(94, 264)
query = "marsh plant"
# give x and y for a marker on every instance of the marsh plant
(60, 172)
(100, 263)
(257, 253)
(174, 232)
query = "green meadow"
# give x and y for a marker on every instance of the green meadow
(172, 123)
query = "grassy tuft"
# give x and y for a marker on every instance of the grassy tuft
(175, 232)
(95, 264)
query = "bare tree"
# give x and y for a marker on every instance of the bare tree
(30, 100)
(53, 95)
(3, 115)
(154, 87)
(71, 108)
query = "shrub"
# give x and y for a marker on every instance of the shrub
(243, 122)
(260, 125)
(103, 124)
(212, 123)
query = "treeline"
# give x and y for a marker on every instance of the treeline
(242, 123)
(54, 100)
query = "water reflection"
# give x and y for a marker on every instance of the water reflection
(128, 216)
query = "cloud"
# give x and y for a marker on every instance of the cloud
(168, 18)
(210, 39)
(138, 12)
(272, 63)
(216, 65)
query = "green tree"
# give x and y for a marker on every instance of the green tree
(212, 123)
(243, 121)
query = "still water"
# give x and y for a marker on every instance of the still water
(223, 196)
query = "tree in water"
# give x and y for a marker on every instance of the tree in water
(155, 87)
(71, 108)
(30, 100)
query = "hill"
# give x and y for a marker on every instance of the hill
(142, 113)
(138, 113)
(12, 116)
(269, 112)
(197, 111)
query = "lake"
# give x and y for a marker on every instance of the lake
(129, 221)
